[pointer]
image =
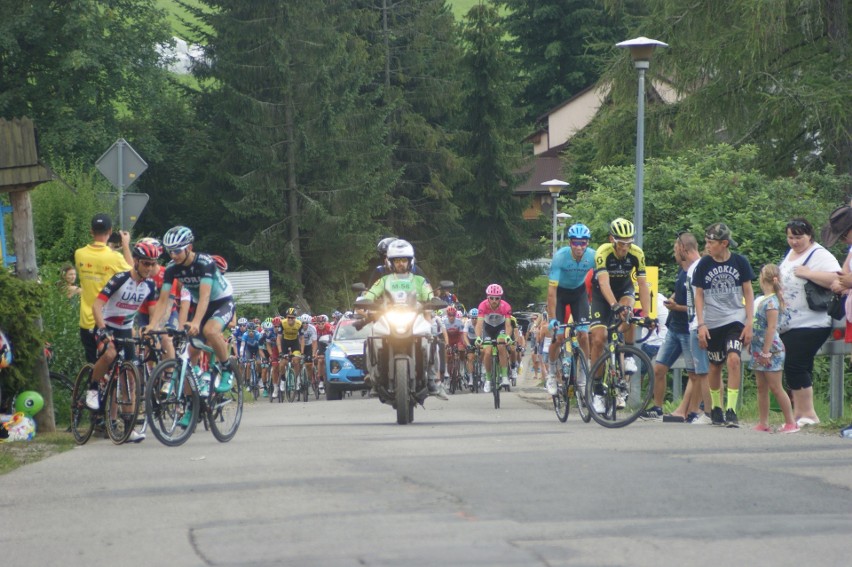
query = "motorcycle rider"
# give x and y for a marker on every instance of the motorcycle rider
(400, 255)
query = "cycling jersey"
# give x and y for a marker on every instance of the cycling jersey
(309, 334)
(291, 332)
(122, 297)
(455, 328)
(620, 270)
(270, 337)
(203, 270)
(251, 339)
(470, 329)
(568, 273)
(494, 317)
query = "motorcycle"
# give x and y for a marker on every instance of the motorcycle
(397, 353)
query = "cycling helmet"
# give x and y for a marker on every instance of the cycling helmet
(337, 314)
(251, 326)
(382, 246)
(177, 238)
(153, 242)
(474, 313)
(400, 249)
(242, 321)
(276, 321)
(268, 320)
(291, 312)
(579, 231)
(305, 318)
(621, 228)
(323, 318)
(256, 321)
(146, 250)
(452, 311)
(221, 263)
(266, 325)
(348, 314)
(494, 289)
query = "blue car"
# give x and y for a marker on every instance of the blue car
(344, 359)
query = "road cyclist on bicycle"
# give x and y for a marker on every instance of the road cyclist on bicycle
(308, 344)
(567, 288)
(289, 343)
(114, 309)
(454, 327)
(612, 289)
(211, 294)
(469, 338)
(494, 326)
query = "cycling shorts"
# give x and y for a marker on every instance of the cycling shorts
(577, 300)
(308, 353)
(288, 345)
(601, 313)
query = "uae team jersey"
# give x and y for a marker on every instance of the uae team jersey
(494, 317)
(203, 270)
(122, 297)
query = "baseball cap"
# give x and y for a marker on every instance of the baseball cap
(101, 223)
(720, 231)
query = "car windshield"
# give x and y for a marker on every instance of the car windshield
(347, 331)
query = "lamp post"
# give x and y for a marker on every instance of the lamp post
(555, 187)
(641, 49)
(561, 219)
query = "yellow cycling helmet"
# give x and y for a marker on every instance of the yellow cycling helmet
(621, 228)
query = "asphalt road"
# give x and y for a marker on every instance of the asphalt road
(340, 484)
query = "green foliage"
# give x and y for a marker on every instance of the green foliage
(61, 318)
(697, 188)
(22, 302)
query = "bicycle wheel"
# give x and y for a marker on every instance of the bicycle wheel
(495, 382)
(121, 403)
(168, 400)
(561, 403)
(291, 385)
(623, 395)
(225, 410)
(304, 384)
(579, 372)
(255, 383)
(82, 418)
(60, 382)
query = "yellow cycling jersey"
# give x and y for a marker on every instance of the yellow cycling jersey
(290, 332)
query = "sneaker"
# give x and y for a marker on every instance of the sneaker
(275, 391)
(504, 381)
(224, 383)
(432, 386)
(630, 365)
(654, 413)
(763, 428)
(789, 428)
(550, 384)
(716, 416)
(441, 392)
(846, 432)
(598, 405)
(701, 419)
(186, 419)
(92, 400)
(805, 421)
(136, 437)
(620, 402)
(731, 418)
(487, 386)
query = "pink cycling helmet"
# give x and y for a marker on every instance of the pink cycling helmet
(494, 289)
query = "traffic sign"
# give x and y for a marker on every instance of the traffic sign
(121, 165)
(134, 204)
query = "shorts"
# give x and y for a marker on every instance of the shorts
(490, 333)
(723, 341)
(601, 313)
(222, 310)
(288, 346)
(90, 345)
(129, 348)
(308, 353)
(700, 360)
(674, 345)
(577, 300)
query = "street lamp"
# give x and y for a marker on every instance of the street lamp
(555, 187)
(641, 49)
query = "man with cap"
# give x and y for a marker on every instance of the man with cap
(96, 263)
(724, 307)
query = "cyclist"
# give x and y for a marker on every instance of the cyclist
(250, 345)
(288, 342)
(469, 337)
(400, 255)
(238, 336)
(494, 323)
(324, 328)
(612, 288)
(211, 293)
(269, 354)
(308, 343)
(567, 288)
(114, 309)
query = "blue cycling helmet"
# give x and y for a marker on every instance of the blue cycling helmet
(579, 231)
(473, 313)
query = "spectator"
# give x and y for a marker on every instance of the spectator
(96, 264)
(806, 330)
(68, 281)
(840, 228)
(767, 351)
(724, 304)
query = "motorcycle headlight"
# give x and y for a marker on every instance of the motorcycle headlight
(401, 320)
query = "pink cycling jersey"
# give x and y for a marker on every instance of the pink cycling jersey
(494, 317)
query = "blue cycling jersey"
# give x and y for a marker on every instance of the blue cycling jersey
(252, 338)
(569, 273)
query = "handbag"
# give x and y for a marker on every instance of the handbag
(823, 299)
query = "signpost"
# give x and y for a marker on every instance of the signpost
(121, 165)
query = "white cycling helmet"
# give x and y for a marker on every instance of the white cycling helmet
(305, 318)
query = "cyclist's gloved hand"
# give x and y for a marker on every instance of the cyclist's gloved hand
(101, 335)
(478, 341)
(553, 324)
(652, 323)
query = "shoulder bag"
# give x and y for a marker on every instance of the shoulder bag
(823, 299)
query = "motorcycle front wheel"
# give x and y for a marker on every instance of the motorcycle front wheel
(404, 405)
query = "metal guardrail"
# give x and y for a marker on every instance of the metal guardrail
(835, 348)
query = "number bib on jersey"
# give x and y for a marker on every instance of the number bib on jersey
(400, 290)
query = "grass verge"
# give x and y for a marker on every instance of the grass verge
(19, 453)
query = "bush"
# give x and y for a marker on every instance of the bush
(21, 305)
